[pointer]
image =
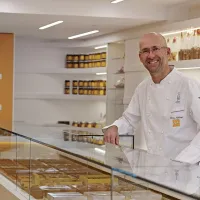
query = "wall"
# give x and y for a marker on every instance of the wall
(6, 83)
(34, 54)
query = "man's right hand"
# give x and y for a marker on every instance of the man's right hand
(111, 135)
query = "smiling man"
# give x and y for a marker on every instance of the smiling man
(167, 105)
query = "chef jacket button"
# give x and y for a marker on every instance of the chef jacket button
(169, 82)
(149, 132)
(167, 98)
(160, 149)
(162, 132)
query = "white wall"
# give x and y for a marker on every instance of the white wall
(33, 54)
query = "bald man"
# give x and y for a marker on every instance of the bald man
(167, 104)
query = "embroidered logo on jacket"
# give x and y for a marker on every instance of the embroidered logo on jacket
(178, 99)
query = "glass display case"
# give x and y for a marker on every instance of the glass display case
(56, 169)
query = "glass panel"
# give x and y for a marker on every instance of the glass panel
(23, 173)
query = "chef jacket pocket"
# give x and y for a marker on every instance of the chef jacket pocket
(177, 117)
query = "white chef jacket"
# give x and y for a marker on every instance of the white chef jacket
(170, 116)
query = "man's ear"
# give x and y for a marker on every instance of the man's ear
(168, 51)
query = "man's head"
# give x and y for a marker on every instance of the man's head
(154, 53)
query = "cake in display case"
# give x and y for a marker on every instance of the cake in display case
(61, 170)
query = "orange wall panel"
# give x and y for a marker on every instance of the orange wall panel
(6, 83)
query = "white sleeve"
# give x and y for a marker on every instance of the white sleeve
(191, 154)
(130, 118)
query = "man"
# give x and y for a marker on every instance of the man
(167, 105)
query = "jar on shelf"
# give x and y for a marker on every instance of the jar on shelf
(79, 124)
(89, 125)
(83, 125)
(96, 83)
(93, 64)
(67, 83)
(101, 92)
(89, 83)
(86, 65)
(85, 91)
(89, 91)
(86, 57)
(75, 124)
(103, 55)
(104, 83)
(85, 84)
(90, 64)
(90, 57)
(76, 57)
(67, 90)
(75, 83)
(76, 65)
(93, 83)
(98, 64)
(98, 56)
(74, 91)
(103, 63)
(69, 57)
(96, 91)
(81, 65)
(80, 83)
(101, 84)
(104, 91)
(93, 124)
(81, 57)
(69, 65)
(92, 91)
(80, 91)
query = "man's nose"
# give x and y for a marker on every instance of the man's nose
(151, 55)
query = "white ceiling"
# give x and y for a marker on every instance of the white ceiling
(24, 17)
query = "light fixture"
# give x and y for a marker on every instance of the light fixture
(101, 73)
(100, 150)
(181, 31)
(117, 1)
(83, 34)
(188, 68)
(101, 47)
(50, 25)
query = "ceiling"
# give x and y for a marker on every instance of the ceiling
(24, 17)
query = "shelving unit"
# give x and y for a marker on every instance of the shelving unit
(64, 71)
(60, 97)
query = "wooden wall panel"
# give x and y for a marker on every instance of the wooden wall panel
(6, 83)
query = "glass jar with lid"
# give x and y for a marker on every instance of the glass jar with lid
(69, 65)
(101, 92)
(104, 83)
(75, 65)
(93, 83)
(67, 90)
(98, 56)
(90, 65)
(81, 65)
(86, 65)
(96, 91)
(75, 83)
(90, 57)
(103, 55)
(75, 91)
(85, 91)
(69, 57)
(86, 57)
(80, 91)
(89, 91)
(98, 64)
(90, 83)
(85, 84)
(76, 57)
(80, 83)
(103, 63)
(67, 83)
(101, 83)
(81, 57)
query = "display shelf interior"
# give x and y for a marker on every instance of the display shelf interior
(60, 97)
(78, 71)
(86, 61)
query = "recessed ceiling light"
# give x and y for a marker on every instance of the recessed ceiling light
(117, 1)
(50, 25)
(83, 34)
(101, 47)
(181, 31)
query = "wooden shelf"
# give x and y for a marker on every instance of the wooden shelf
(60, 97)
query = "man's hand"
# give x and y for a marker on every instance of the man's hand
(111, 135)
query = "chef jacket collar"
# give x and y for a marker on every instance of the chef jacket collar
(168, 79)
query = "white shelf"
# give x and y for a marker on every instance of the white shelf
(64, 71)
(60, 97)
(116, 88)
(183, 64)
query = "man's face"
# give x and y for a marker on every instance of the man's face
(153, 54)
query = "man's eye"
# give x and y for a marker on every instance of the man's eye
(145, 50)
(155, 48)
